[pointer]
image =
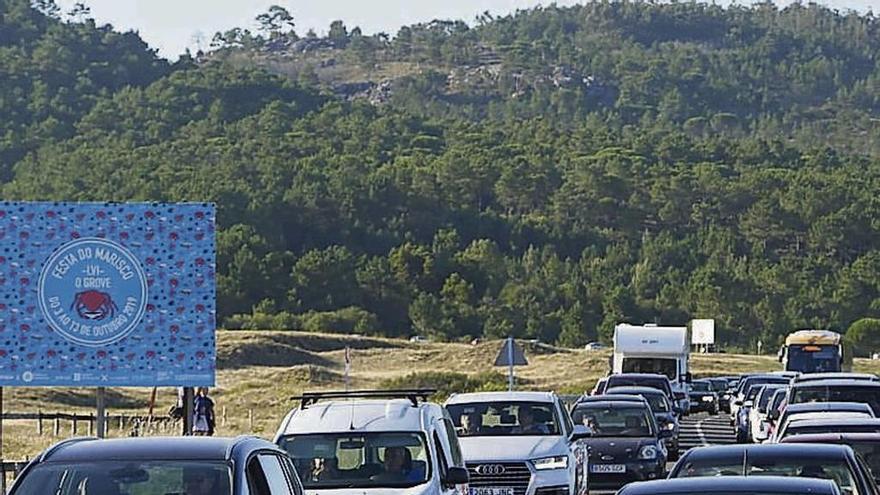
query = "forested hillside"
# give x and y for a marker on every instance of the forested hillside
(544, 174)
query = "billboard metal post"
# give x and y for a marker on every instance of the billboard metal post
(510, 364)
(101, 412)
(188, 403)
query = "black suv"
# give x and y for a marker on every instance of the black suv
(167, 465)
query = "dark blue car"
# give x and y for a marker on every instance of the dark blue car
(835, 462)
(665, 413)
(163, 465)
(746, 485)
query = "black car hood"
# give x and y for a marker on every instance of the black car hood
(617, 449)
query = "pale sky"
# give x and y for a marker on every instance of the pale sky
(174, 25)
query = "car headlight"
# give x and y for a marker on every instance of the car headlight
(670, 425)
(558, 462)
(708, 398)
(648, 452)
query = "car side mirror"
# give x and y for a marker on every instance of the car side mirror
(580, 432)
(679, 395)
(737, 402)
(688, 378)
(457, 476)
(664, 433)
(773, 415)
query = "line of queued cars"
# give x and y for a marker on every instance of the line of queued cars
(796, 434)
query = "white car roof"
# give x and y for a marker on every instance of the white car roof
(808, 416)
(360, 416)
(501, 397)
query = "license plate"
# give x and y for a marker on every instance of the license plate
(473, 490)
(608, 468)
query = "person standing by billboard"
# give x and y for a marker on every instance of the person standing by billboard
(203, 413)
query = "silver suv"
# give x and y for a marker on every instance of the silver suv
(520, 443)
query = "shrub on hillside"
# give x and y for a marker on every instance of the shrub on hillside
(864, 335)
(345, 320)
(447, 383)
(262, 321)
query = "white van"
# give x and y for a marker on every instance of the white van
(657, 350)
(373, 442)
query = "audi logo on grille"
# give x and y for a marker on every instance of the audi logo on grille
(490, 469)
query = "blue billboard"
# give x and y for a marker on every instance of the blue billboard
(107, 294)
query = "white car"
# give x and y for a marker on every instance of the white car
(520, 443)
(782, 431)
(760, 428)
(373, 443)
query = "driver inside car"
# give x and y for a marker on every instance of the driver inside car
(398, 466)
(527, 424)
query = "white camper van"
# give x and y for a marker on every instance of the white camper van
(654, 349)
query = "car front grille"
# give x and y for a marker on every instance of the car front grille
(515, 475)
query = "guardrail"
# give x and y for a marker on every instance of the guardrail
(7, 468)
(135, 425)
(121, 421)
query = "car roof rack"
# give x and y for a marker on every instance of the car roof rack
(414, 395)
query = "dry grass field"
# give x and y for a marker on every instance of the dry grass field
(260, 371)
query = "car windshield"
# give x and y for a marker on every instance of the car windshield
(363, 460)
(764, 398)
(657, 402)
(629, 381)
(659, 366)
(628, 421)
(813, 358)
(870, 451)
(761, 465)
(701, 387)
(753, 392)
(778, 397)
(117, 478)
(490, 419)
(754, 387)
(719, 385)
(837, 393)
